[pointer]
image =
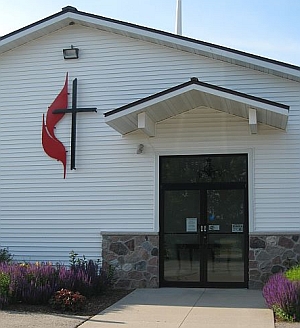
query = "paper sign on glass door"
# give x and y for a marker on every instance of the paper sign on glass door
(214, 227)
(237, 227)
(191, 224)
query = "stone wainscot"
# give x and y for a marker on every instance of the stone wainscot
(133, 257)
(271, 254)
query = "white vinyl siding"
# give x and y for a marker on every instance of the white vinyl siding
(44, 217)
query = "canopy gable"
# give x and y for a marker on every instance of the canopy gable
(146, 112)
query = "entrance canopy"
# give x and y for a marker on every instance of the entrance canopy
(145, 113)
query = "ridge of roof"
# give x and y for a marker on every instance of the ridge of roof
(73, 10)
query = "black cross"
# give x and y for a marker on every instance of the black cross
(74, 110)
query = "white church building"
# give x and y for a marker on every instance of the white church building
(179, 164)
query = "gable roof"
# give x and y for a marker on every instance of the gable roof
(70, 15)
(193, 94)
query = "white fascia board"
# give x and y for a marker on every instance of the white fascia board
(222, 94)
(158, 37)
(35, 31)
(191, 45)
(244, 100)
(141, 107)
(251, 62)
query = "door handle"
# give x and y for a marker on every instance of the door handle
(201, 228)
(205, 228)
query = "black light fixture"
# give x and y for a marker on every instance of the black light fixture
(140, 149)
(71, 53)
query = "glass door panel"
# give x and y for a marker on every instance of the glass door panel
(225, 236)
(182, 257)
(225, 261)
(225, 210)
(180, 205)
(181, 238)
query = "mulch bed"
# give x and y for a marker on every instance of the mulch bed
(94, 304)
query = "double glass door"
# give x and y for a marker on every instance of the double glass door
(203, 224)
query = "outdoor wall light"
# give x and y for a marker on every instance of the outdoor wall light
(71, 53)
(140, 149)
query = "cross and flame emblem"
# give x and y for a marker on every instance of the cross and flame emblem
(52, 146)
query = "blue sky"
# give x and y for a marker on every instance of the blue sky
(269, 28)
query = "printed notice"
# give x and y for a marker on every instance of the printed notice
(237, 227)
(214, 227)
(191, 224)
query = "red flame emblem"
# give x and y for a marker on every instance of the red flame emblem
(52, 146)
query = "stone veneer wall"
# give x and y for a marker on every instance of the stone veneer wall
(134, 258)
(269, 254)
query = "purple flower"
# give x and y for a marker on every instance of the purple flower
(281, 293)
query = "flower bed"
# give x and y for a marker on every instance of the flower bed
(37, 283)
(282, 294)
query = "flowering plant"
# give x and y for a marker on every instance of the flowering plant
(283, 296)
(36, 283)
(67, 300)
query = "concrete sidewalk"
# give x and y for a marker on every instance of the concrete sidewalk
(186, 308)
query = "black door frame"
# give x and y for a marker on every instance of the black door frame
(203, 187)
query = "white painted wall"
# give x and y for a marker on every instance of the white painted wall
(43, 217)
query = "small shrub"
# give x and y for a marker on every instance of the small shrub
(67, 300)
(4, 289)
(5, 255)
(89, 278)
(293, 274)
(75, 280)
(281, 314)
